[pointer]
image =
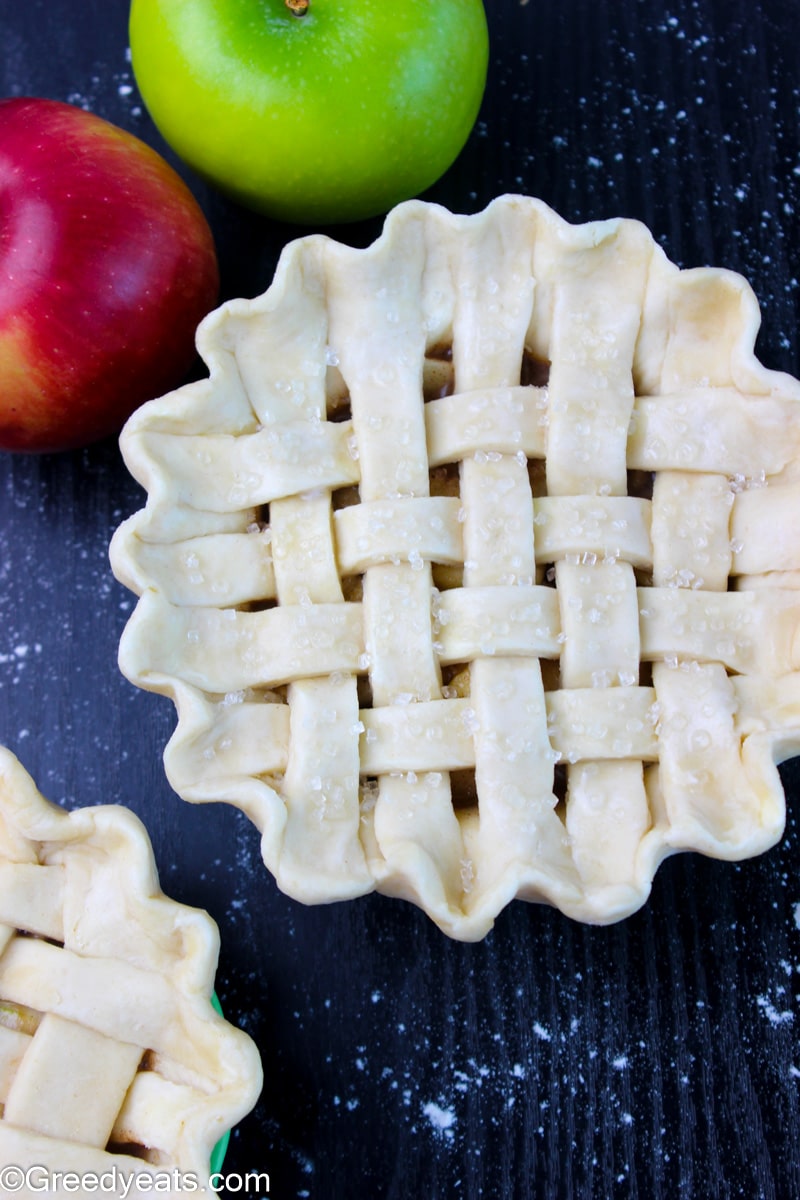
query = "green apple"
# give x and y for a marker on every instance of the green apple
(313, 110)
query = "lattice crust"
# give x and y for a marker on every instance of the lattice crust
(472, 567)
(111, 1054)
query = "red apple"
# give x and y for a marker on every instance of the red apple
(107, 265)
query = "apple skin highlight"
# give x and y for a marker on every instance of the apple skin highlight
(107, 265)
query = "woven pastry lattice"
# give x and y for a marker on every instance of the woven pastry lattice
(472, 566)
(112, 1060)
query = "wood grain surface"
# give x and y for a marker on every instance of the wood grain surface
(658, 1058)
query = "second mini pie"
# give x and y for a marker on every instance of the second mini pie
(114, 1065)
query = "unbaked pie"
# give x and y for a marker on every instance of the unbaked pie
(473, 565)
(112, 1058)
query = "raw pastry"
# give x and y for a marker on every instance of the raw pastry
(113, 1062)
(473, 566)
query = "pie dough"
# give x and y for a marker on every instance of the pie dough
(112, 1058)
(473, 566)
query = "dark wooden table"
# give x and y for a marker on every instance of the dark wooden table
(655, 1059)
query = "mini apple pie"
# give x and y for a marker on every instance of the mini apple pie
(473, 566)
(112, 1058)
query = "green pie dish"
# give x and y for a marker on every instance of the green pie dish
(221, 1148)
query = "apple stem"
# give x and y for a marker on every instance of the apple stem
(298, 7)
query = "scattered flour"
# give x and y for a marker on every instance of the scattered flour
(774, 1015)
(442, 1119)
